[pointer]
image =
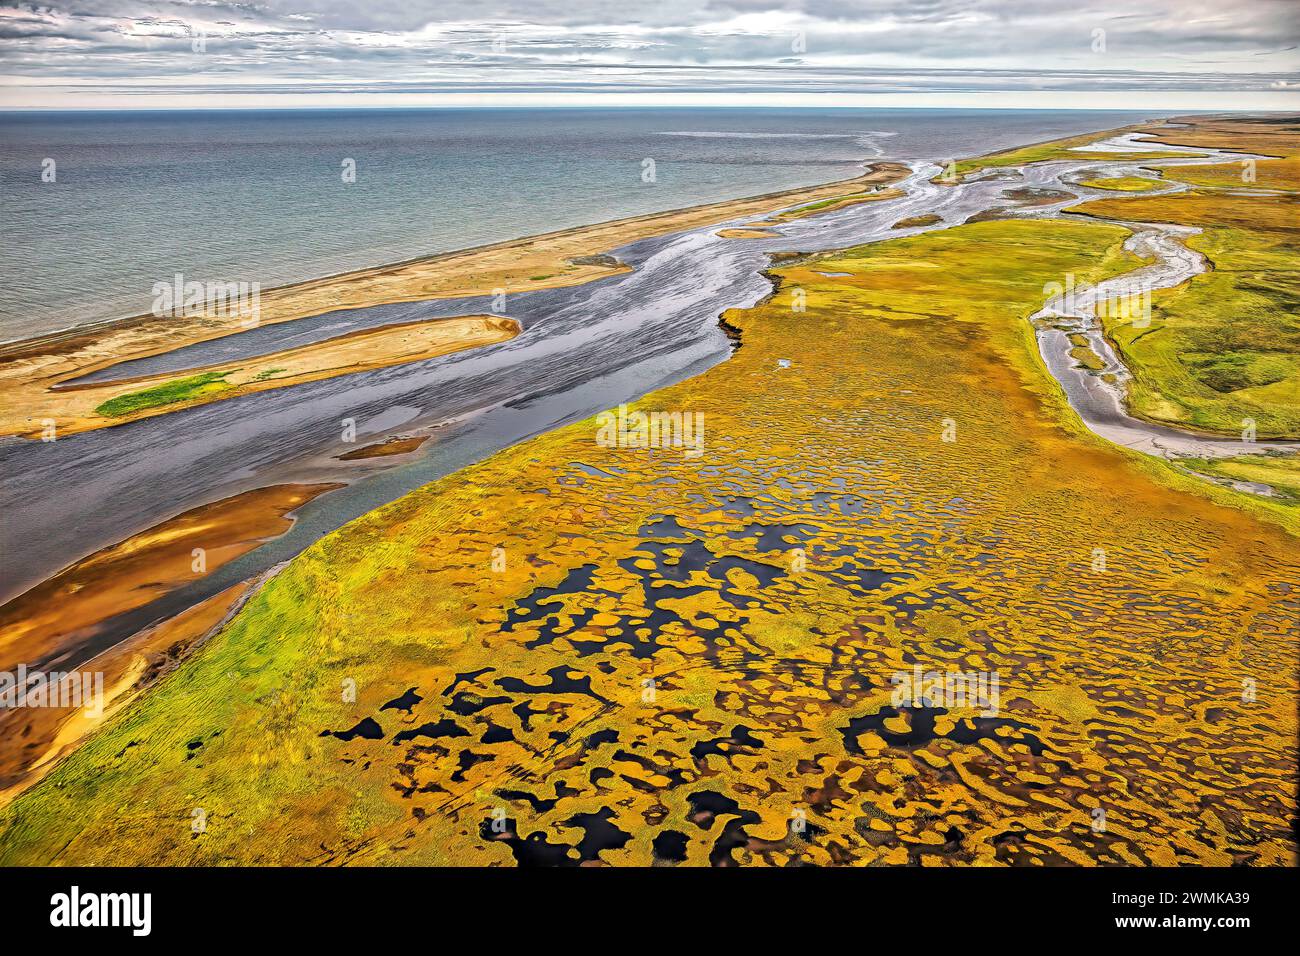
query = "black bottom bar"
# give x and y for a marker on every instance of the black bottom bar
(544, 907)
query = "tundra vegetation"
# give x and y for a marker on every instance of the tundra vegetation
(1123, 184)
(1221, 353)
(573, 653)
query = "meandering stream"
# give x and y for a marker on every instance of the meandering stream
(1098, 395)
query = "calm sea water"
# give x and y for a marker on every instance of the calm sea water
(260, 196)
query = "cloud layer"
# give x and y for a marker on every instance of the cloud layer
(116, 52)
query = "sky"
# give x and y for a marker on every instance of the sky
(1123, 54)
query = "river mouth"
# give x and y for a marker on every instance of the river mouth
(584, 349)
(902, 589)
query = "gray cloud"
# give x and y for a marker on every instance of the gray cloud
(846, 46)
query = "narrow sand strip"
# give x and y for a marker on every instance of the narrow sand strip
(79, 408)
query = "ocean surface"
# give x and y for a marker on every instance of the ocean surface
(259, 196)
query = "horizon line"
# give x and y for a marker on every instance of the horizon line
(20, 98)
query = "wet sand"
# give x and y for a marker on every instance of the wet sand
(46, 624)
(33, 739)
(394, 446)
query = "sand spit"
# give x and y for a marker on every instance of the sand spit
(79, 408)
(28, 369)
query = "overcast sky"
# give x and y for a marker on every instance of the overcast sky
(1137, 54)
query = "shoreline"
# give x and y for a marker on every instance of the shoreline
(10, 348)
(377, 605)
(887, 172)
(254, 589)
(55, 347)
(874, 173)
(34, 740)
(50, 621)
(1167, 124)
(30, 368)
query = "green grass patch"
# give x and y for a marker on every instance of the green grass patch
(179, 390)
(1123, 184)
(1281, 473)
(1088, 359)
(929, 219)
(1084, 354)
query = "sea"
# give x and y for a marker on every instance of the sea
(98, 207)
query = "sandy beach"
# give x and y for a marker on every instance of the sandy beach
(903, 290)
(32, 739)
(61, 614)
